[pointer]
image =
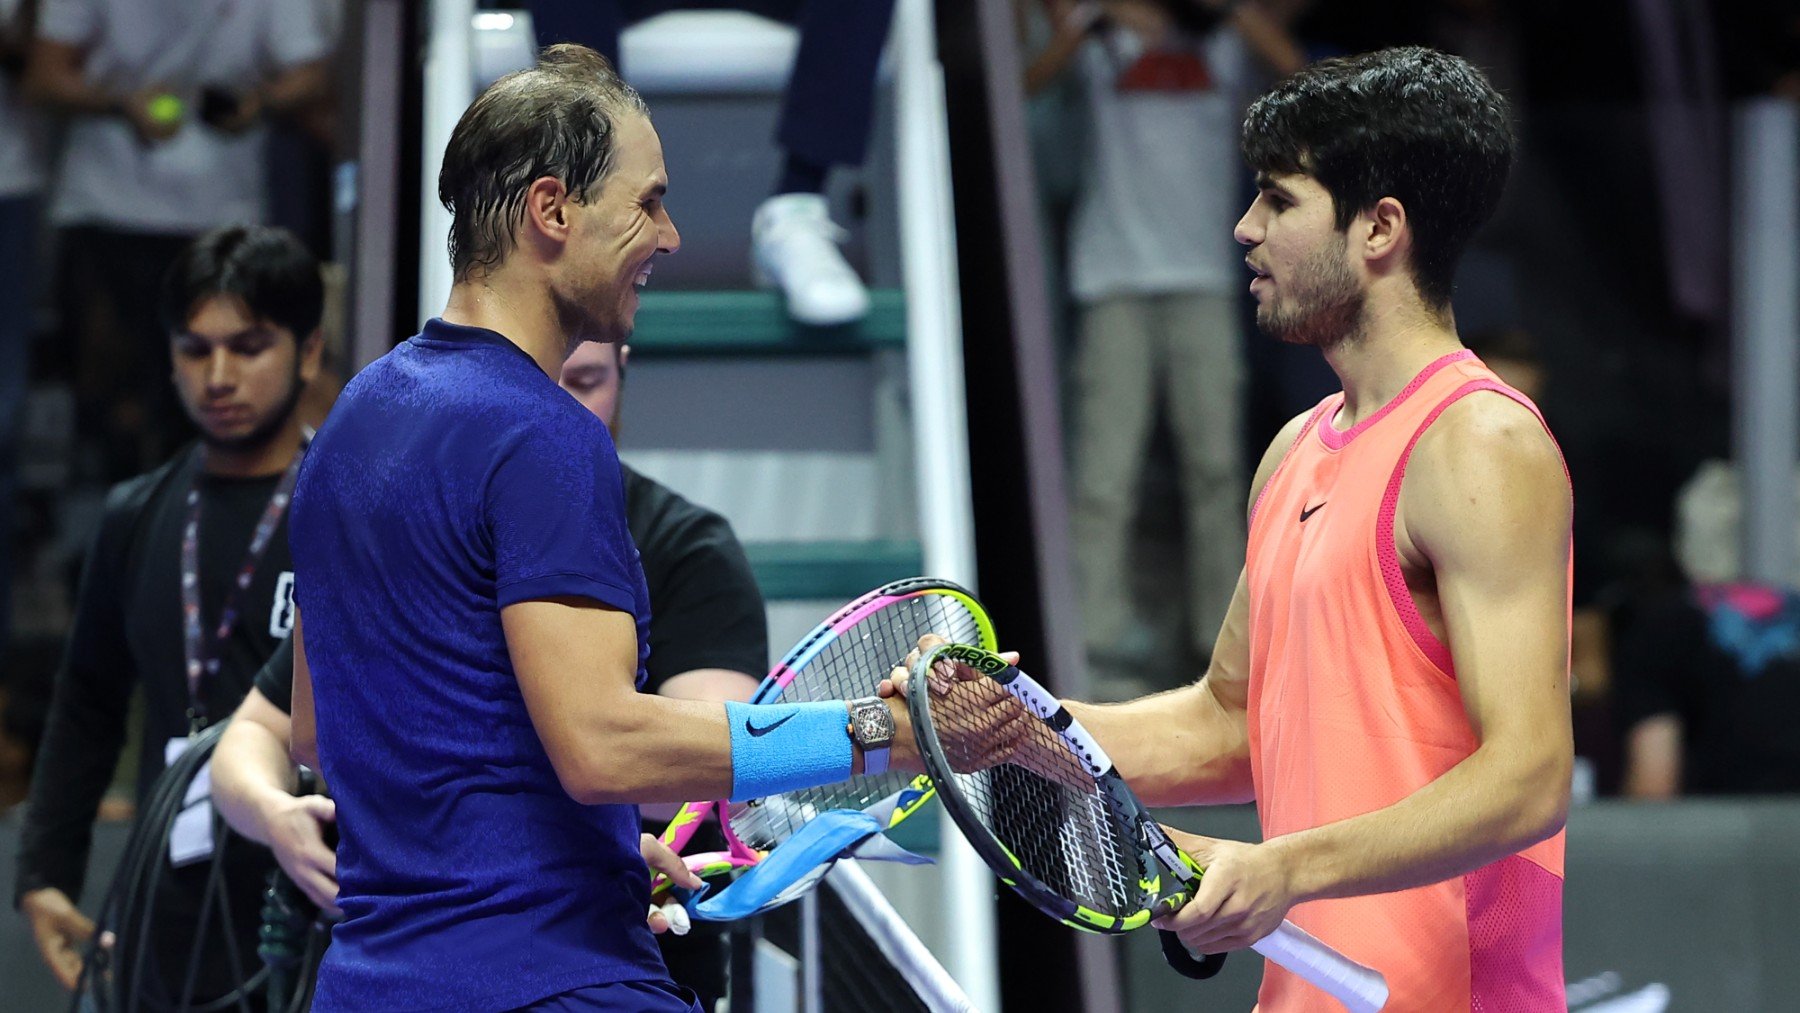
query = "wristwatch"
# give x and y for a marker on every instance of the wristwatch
(872, 729)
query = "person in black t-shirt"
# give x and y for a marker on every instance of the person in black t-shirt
(189, 618)
(707, 635)
(1706, 685)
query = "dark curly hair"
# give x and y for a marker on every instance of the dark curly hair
(555, 119)
(1420, 126)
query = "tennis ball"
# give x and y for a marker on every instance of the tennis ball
(166, 109)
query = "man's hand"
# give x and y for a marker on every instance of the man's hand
(986, 726)
(246, 112)
(944, 673)
(1245, 894)
(60, 930)
(148, 113)
(661, 859)
(296, 825)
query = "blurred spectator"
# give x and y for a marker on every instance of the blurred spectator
(187, 590)
(1708, 675)
(1512, 355)
(825, 121)
(22, 173)
(1709, 512)
(1159, 287)
(166, 100)
(1708, 684)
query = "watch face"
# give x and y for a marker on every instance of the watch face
(874, 724)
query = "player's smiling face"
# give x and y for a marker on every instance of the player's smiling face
(1301, 275)
(620, 231)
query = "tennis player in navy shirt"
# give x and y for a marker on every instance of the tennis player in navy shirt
(472, 613)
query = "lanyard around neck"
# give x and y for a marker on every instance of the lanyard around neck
(203, 656)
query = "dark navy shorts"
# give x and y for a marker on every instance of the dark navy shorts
(621, 997)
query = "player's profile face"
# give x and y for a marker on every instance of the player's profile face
(1306, 292)
(623, 227)
(238, 377)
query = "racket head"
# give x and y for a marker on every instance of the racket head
(845, 657)
(1037, 798)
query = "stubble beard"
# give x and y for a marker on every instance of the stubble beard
(265, 430)
(1325, 306)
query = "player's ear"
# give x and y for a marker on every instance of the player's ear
(547, 210)
(1385, 230)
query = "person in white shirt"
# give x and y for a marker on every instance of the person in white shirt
(1157, 282)
(166, 101)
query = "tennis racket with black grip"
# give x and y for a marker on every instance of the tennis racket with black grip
(1044, 806)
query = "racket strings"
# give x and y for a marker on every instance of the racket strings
(853, 665)
(1038, 800)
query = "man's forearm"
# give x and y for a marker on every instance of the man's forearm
(74, 768)
(717, 684)
(1487, 807)
(1182, 747)
(296, 88)
(650, 749)
(54, 79)
(74, 97)
(250, 770)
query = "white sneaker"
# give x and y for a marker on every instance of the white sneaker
(794, 244)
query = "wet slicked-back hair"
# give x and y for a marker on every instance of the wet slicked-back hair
(557, 119)
(1423, 127)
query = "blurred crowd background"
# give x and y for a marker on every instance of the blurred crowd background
(1602, 290)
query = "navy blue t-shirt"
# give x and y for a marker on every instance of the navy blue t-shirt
(454, 478)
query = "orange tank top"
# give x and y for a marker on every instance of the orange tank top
(1353, 705)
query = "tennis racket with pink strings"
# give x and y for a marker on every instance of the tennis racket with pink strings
(843, 658)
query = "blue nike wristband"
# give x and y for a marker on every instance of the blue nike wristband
(786, 746)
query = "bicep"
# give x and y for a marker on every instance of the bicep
(1228, 673)
(258, 710)
(1490, 510)
(576, 663)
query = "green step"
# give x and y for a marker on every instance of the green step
(837, 571)
(700, 323)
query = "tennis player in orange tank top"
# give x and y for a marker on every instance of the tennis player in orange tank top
(1354, 705)
(1390, 685)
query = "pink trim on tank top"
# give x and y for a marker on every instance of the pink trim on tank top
(1389, 556)
(1338, 439)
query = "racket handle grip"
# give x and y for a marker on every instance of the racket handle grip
(1361, 989)
(1186, 964)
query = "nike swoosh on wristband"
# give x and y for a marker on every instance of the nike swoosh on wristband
(753, 730)
(1306, 512)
